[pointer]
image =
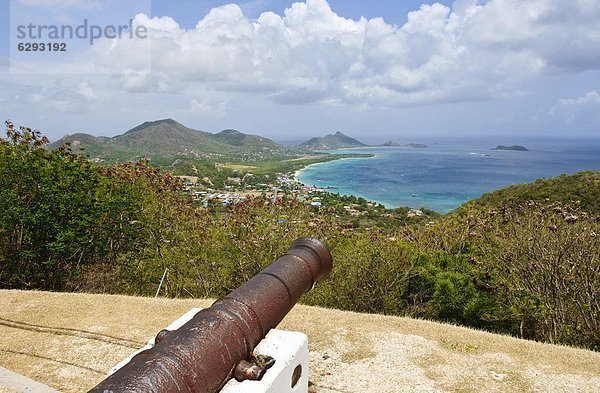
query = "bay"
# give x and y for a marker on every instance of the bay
(449, 172)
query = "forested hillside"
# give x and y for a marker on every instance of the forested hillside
(167, 141)
(582, 188)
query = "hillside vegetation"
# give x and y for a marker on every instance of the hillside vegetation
(331, 142)
(582, 188)
(167, 140)
(526, 267)
(186, 151)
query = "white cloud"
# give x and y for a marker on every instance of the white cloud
(74, 97)
(471, 51)
(206, 107)
(570, 108)
(164, 24)
(310, 54)
(85, 90)
(144, 81)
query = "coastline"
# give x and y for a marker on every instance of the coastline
(444, 177)
(298, 172)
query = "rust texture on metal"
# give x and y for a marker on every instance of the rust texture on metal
(204, 354)
(246, 370)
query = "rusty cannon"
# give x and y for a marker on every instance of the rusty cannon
(217, 344)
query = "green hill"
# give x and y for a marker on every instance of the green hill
(167, 141)
(168, 138)
(332, 142)
(583, 187)
(236, 138)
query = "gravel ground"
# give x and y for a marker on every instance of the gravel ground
(70, 341)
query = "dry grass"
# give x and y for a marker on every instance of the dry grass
(237, 167)
(310, 157)
(69, 341)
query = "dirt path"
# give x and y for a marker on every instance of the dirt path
(69, 342)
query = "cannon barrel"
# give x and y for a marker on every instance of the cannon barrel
(204, 354)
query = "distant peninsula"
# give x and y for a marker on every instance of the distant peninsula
(332, 142)
(513, 148)
(412, 145)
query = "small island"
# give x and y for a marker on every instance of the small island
(412, 145)
(512, 148)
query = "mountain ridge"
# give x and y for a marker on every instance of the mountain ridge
(236, 138)
(166, 139)
(163, 141)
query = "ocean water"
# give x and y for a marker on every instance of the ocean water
(450, 171)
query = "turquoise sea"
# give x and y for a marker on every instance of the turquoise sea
(449, 172)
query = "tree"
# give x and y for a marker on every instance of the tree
(46, 203)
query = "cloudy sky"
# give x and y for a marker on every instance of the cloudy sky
(376, 70)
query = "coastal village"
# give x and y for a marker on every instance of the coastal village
(236, 190)
(286, 186)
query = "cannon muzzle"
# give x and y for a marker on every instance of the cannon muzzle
(204, 354)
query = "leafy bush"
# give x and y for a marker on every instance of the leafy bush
(45, 208)
(370, 274)
(59, 213)
(548, 258)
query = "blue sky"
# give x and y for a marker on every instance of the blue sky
(188, 12)
(377, 70)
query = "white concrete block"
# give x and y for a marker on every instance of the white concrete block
(288, 374)
(290, 351)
